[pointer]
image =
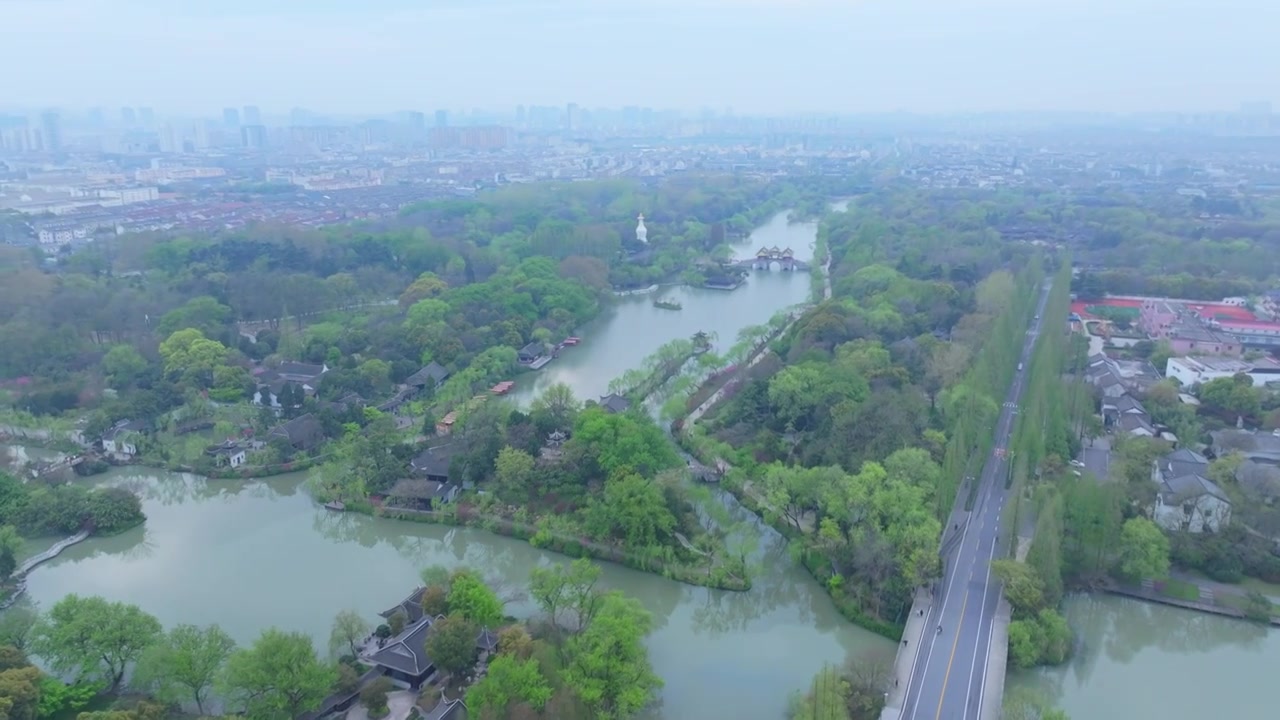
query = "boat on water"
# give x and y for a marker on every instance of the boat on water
(667, 305)
(336, 506)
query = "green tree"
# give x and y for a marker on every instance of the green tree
(123, 365)
(114, 509)
(1057, 637)
(17, 625)
(20, 693)
(556, 407)
(1143, 550)
(1258, 608)
(509, 680)
(1161, 354)
(374, 696)
(204, 314)
(190, 355)
(513, 469)
(451, 643)
(279, 677)
(567, 588)
(1223, 469)
(632, 510)
(184, 663)
(1232, 397)
(231, 383)
(826, 699)
(348, 629)
(1022, 587)
(620, 442)
(608, 664)
(796, 392)
(428, 285)
(473, 600)
(58, 698)
(10, 545)
(94, 638)
(375, 372)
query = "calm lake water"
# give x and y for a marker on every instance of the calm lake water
(1143, 660)
(249, 555)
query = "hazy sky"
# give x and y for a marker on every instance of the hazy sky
(775, 56)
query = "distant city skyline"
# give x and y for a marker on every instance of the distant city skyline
(761, 57)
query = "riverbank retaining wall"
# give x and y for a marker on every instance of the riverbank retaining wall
(1155, 597)
(562, 544)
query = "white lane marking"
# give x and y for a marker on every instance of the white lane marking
(982, 611)
(942, 612)
(915, 658)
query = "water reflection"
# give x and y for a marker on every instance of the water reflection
(131, 546)
(630, 328)
(1149, 625)
(242, 553)
(1132, 654)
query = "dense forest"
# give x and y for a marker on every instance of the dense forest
(847, 435)
(1125, 243)
(506, 265)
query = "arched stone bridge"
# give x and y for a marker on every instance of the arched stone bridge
(767, 256)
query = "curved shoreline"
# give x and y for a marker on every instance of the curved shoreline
(572, 547)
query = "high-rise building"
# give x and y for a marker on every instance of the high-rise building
(253, 137)
(51, 131)
(252, 116)
(231, 117)
(170, 140)
(202, 139)
(473, 137)
(442, 118)
(416, 121)
(128, 116)
(97, 118)
(571, 116)
(146, 116)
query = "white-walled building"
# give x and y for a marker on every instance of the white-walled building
(1186, 500)
(1200, 370)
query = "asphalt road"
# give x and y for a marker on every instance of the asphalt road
(948, 678)
(1097, 458)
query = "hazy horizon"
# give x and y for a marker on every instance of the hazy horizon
(756, 56)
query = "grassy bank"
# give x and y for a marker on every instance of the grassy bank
(539, 534)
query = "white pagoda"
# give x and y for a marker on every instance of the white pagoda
(642, 232)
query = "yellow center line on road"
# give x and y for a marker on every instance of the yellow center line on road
(947, 676)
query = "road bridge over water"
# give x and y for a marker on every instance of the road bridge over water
(951, 660)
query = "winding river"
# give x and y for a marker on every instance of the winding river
(249, 555)
(631, 328)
